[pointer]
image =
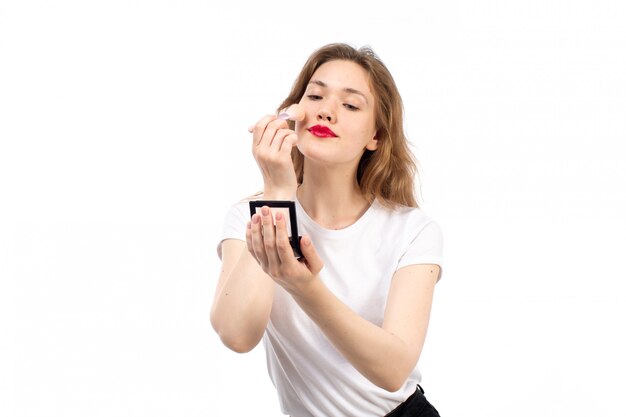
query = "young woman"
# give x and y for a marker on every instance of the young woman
(343, 327)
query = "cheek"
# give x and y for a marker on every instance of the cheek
(299, 128)
(368, 123)
(368, 132)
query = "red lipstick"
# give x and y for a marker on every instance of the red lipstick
(322, 132)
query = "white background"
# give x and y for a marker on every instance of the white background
(123, 142)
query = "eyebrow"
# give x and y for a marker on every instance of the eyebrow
(347, 89)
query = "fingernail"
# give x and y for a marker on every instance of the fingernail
(265, 211)
(255, 219)
(279, 216)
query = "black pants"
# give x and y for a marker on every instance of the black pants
(415, 406)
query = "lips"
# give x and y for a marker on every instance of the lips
(322, 132)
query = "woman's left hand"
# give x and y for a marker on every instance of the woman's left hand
(269, 245)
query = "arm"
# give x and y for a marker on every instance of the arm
(384, 355)
(243, 298)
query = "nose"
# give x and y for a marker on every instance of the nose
(325, 114)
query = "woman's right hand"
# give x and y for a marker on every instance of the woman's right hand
(272, 141)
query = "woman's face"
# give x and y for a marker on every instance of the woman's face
(340, 122)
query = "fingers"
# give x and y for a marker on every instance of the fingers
(272, 141)
(254, 238)
(265, 129)
(258, 129)
(270, 246)
(283, 247)
(284, 138)
(287, 144)
(269, 237)
(261, 240)
(312, 259)
(249, 238)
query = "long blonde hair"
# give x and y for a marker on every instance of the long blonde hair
(387, 173)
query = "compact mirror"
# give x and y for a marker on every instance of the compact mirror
(288, 209)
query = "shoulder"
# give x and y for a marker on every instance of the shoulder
(241, 208)
(409, 219)
(420, 237)
(235, 221)
(237, 212)
(412, 229)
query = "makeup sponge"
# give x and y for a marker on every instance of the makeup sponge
(293, 112)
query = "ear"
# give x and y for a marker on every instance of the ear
(372, 145)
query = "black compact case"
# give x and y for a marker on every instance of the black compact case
(294, 238)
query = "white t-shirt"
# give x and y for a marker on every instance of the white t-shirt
(312, 378)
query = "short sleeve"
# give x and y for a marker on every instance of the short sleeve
(235, 223)
(426, 247)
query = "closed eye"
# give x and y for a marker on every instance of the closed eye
(314, 97)
(350, 107)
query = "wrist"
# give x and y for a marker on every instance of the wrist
(306, 293)
(278, 194)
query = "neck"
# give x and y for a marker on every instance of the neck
(331, 197)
